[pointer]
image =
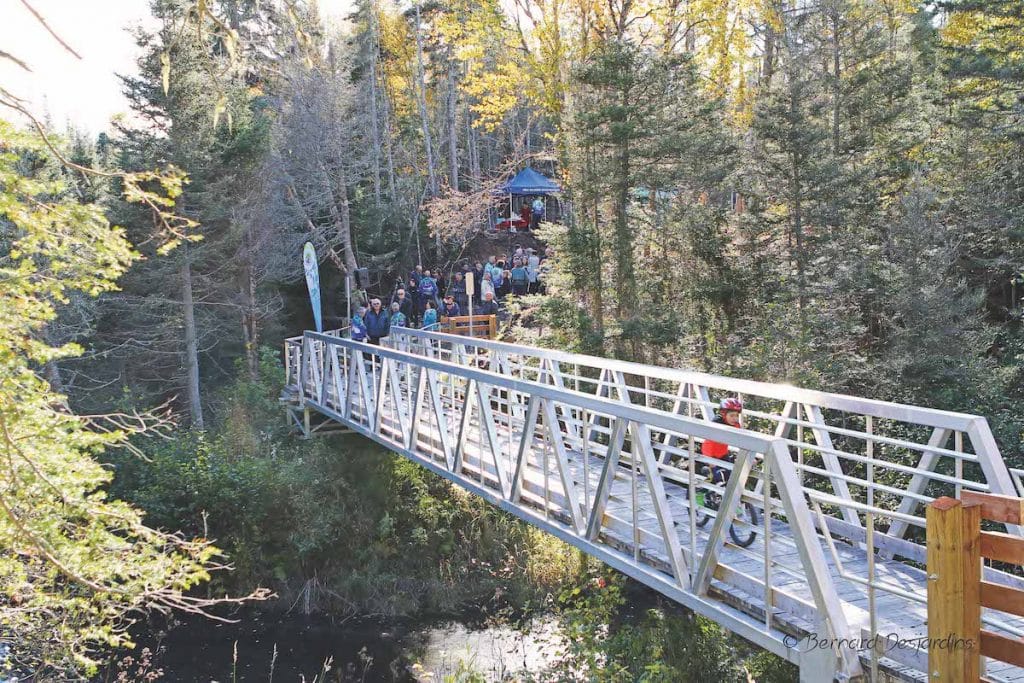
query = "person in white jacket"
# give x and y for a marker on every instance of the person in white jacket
(486, 285)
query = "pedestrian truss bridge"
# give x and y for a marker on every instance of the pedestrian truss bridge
(603, 454)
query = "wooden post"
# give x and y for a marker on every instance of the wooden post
(492, 326)
(954, 582)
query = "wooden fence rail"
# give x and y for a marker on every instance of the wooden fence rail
(956, 592)
(482, 326)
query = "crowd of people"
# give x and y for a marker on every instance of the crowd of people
(423, 299)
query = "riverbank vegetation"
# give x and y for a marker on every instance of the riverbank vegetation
(337, 525)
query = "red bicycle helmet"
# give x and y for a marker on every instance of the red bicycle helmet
(731, 404)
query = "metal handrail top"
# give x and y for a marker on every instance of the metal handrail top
(931, 417)
(740, 438)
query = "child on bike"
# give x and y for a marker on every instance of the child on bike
(743, 528)
(729, 413)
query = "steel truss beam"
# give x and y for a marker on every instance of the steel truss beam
(405, 399)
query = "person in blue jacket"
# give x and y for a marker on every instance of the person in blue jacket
(398, 318)
(428, 288)
(358, 329)
(520, 278)
(449, 308)
(378, 322)
(498, 279)
(430, 317)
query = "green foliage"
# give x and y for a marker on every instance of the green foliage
(78, 565)
(982, 51)
(640, 124)
(464, 673)
(878, 156)
(340, 523)
(881, 221)
(607, 641)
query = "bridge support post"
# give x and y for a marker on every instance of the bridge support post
(833, 624)
(819, 662)
(731, 499)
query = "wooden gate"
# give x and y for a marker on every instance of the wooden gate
(482, 326)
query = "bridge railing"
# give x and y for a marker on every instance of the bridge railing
(530, 447)
(957, 546)
(889, 457)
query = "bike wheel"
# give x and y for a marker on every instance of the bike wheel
(701, 518)
(744, 533)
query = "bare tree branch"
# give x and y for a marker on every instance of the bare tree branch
(41, 20)
(8, 56)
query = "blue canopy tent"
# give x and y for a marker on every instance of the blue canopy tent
(530, 182)
(527, 182)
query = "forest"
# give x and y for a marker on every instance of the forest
(828, 194)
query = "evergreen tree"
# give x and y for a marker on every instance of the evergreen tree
(152, 340)
(640, 124)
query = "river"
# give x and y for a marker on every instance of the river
(260, 647)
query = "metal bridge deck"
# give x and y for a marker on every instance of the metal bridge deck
(629, 474)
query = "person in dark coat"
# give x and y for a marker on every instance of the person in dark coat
(416, 274)
(377, 321)
(442, 284)
(478, 276)
(405, 305)
(489, 305)
(413, 292)
(458, 291)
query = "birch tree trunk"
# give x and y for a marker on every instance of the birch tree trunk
(375, 125)
(345, 224)
(51, 370)
(191, 344)
(453, 135)
(389, 153)
(374, 116)
(52, 373)
(250, 320)
(421, 99)
(768, 61)
(340, 214)
(473, 150)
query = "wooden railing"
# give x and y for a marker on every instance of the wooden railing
(481, 326)
(956, 591)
